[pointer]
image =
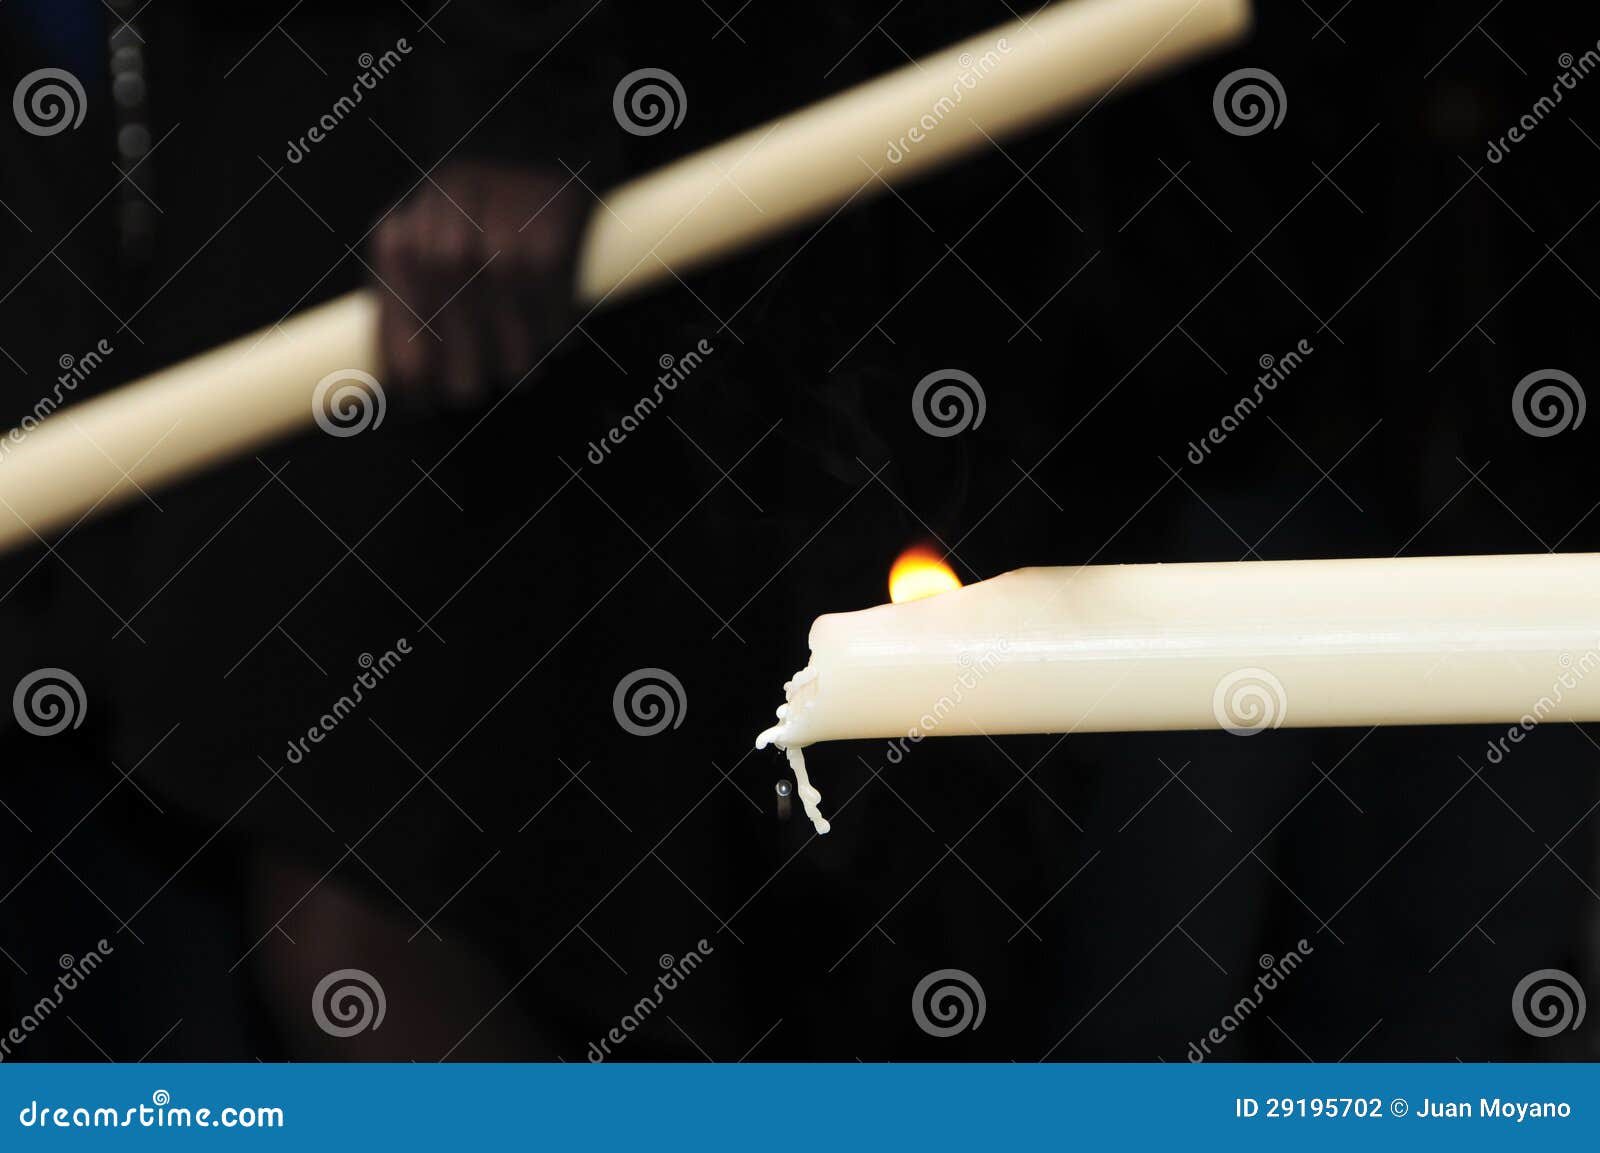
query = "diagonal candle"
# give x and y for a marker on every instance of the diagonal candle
(931, 111)
(101, 453)
(1242, 646)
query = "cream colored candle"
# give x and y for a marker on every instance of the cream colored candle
(1242, 646)
(93, 456)
(925, 114)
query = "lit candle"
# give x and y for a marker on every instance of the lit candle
(1242, 646)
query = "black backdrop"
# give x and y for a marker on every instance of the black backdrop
(486, 841)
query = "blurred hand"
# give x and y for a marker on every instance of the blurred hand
(477, 272)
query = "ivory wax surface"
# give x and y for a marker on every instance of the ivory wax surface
(1244, 646)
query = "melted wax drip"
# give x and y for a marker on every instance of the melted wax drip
(780, 734)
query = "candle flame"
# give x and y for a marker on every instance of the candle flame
(920, 572)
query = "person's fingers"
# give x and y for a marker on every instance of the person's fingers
(398, 269)
(478, 270)
(513, 286)
(450, 258)
(446, 248)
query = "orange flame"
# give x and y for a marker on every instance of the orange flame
(920, 572)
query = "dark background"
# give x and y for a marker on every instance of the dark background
(486, 841)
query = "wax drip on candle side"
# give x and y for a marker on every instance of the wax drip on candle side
(810, 797)
(784, 736)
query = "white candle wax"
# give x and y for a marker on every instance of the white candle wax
(909, 121)
(99, 453)
(1242, 646)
